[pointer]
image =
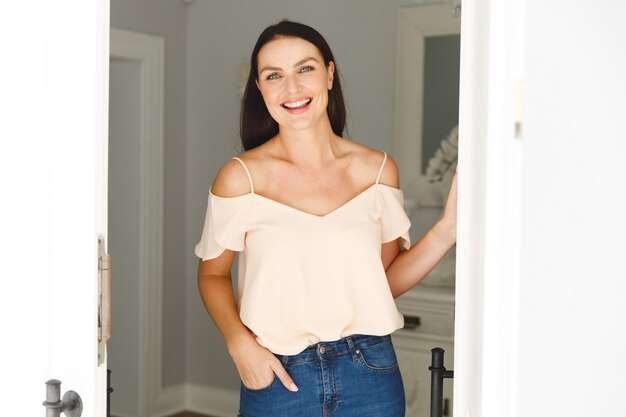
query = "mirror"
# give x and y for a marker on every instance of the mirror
(427, 99)
(427, 94)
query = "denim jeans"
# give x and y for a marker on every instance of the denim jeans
(355, 376)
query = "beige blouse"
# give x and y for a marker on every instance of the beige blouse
(304, 278)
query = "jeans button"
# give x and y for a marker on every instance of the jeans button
(322, 350)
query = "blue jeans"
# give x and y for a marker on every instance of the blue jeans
(355, 376)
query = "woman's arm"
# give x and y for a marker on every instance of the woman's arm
(214, 280)
(255, 364)
(411, 266)
(216, 291)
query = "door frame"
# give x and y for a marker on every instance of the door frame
(489, 218)
(414, 24)
(148, 51)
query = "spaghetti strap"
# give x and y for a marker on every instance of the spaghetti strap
(381, 167)
(247, 172)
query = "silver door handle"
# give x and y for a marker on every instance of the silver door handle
(71, 405)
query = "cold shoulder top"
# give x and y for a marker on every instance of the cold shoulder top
(305, 278)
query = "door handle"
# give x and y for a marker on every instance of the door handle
(71, 405)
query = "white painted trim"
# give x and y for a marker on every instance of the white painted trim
(202, 399)
(213, 401)
(471, 212)
(102, 166)
(488, 250)
(502, 226)
(171, 401)
(149, 51)
(414, 24)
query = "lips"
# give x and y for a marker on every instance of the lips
(298, 104)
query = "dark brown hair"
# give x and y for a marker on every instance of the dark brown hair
(257, 125)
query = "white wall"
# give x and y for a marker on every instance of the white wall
(540, 327)
(572, 330)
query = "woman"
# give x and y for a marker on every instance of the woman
(324, 244)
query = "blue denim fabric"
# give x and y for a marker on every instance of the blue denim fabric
(355, 376)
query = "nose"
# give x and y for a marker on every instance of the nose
(292, 85)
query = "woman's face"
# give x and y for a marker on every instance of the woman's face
(294, 82)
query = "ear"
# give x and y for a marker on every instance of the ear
(257, 84)
(331, 74)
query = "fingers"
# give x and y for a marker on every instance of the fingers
(253, 382)
(284, 377)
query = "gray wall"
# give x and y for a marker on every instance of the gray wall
(205, 43)
(123, 202)
(168, 19)
(221, 37)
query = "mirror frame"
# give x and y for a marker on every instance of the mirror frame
(414, 24)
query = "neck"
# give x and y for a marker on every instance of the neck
(314, 147)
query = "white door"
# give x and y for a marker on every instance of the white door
(53, 134)
(540, 309)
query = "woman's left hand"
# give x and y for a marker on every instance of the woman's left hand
(411, 266)
(448, 219)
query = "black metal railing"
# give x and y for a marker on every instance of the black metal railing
(438, 373)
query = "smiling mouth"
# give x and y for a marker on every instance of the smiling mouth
(296, 105)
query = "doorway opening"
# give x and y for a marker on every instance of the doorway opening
(136, 219)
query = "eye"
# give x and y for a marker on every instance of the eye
(273, 76)
(306, 68)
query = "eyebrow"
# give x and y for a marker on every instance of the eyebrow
(294, 65)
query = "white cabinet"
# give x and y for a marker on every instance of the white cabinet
(429, 323)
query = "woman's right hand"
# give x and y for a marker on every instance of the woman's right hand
(257, 365)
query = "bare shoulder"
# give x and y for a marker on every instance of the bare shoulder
(370, 161)
(231, 180)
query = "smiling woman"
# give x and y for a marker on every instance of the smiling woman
(301, 88)
(275, 72)
(325, 244)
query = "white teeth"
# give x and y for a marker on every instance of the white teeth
(297, 103)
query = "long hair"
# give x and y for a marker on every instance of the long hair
(257, 125)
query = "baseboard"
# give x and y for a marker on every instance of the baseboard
(217, 402)
(202, 399)
(170, 401)
(120, 414)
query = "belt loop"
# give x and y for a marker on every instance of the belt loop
(352, 348)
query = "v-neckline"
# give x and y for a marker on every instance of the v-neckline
(306, 213)
(302, 212)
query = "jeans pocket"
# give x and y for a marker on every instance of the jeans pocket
(262, 389)
(379, 357)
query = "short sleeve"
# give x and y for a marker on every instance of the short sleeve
(225, 225)
(393, 219)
